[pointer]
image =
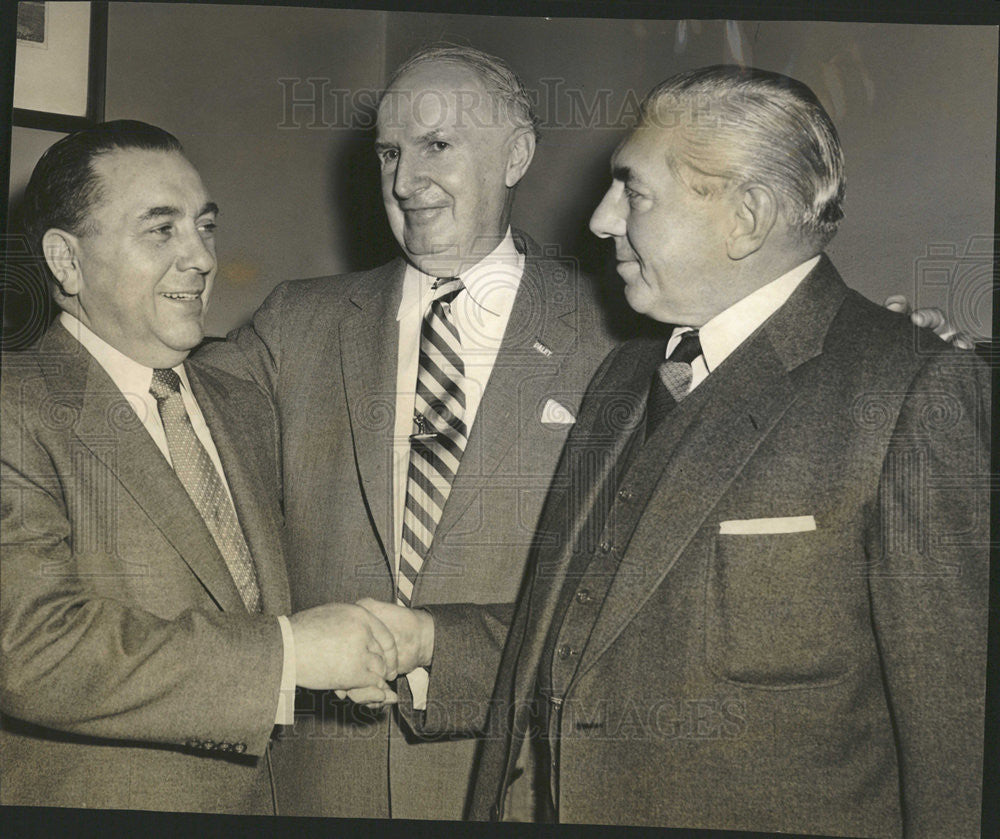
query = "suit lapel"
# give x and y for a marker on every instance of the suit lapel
(707, 440)
(368, 347)
(237, 439)
(521, 378)
(624, 386)
(111, 432)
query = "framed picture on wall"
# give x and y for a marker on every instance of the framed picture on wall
(60, 65)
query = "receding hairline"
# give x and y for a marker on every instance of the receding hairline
(497, 79)
(154, 209)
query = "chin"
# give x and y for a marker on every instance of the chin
(638, 299)
(183, 341)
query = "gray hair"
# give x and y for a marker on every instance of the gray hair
(745, 125)
(500, 81)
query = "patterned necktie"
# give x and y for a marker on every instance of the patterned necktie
(671, 380)
(201, 480)
(439, 437)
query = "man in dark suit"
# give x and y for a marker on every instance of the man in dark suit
(760, 596)
(144, 663)
(351, 360)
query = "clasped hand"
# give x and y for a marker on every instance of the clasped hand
(356, 650)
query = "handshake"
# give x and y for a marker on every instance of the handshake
(356, 650)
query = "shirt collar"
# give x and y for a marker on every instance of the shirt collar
(129, 375)
(731, 327)
(491, 283)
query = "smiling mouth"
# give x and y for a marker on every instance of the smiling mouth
(181, 295)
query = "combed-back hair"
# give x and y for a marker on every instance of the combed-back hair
(744, 125)
(64, 187)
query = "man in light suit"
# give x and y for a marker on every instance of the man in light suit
(144, 663)
(342, 358)
(760, 596)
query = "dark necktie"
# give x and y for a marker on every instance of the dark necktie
(671, 380)
(439, 437)
(201, 480)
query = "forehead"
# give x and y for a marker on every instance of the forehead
(437, 95)
(133, 180)
(643, 154)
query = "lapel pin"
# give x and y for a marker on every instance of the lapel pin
(544, 350)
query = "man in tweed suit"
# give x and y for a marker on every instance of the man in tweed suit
(761, 598)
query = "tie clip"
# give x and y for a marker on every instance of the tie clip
(425, 431)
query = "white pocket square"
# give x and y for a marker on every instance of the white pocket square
(751, 527)
(555, 414)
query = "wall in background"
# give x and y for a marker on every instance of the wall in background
(211, 75)
(915, 106)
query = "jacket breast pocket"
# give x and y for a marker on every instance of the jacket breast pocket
(778, 611)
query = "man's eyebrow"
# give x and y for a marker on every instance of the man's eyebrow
(156, 213)
(431, 136)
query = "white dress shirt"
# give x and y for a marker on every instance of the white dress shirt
(721, 335)
(133, 380)
(480, 314)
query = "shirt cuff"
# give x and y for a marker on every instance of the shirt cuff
(285, 714)
(418, 680)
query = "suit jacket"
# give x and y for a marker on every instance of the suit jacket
(132, 675)
(829, 679)
(326, 349)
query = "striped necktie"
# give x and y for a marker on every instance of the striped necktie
(439, 437)
(201, 480)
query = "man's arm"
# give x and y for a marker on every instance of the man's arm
(79, 660)
(470, 640)
(252, 351)
(929, 574)
(81, 655)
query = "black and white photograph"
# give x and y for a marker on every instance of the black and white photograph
(31, 22)
(53, 59)
(579, 415)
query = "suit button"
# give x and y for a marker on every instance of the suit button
(583, 596)
(625, 494)
(565, 651)
(606, 547)
(225, 747)
(191, 743)
(239, 748)
(209, 744)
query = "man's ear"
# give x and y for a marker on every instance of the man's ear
(61, 251)
(756, 211)
(520, 151)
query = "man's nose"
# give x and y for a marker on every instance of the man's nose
(196, 253)
(409, 177)
(609, 219)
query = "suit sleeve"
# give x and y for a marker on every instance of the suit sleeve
(79, 656)
(252, 351)
(470, 639)
(468, 642)
(929, 588)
